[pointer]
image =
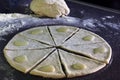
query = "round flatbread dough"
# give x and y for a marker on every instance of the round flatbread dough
(57, 52)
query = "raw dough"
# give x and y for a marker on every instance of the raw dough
(53, 70)
(57, 51)
(69, 59)
(50, 8)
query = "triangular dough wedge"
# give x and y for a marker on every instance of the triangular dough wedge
(39, 33)
(84, 37)
(22, 42)
(61, 33)
(76, 65)
(98, 51)
(27, 59)
(50, 67)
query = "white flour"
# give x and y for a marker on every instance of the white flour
(11, 22)
(107, 17)
(89, 22)
(7, 17)
(6, 26)
(112, 25)
(92, 23)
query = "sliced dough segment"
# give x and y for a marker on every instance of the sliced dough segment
(84, 37)
(39, 33)
(50, 67)
(61, 33)
(27, 59)
(98, 51)
(22, 42)
(78, 65)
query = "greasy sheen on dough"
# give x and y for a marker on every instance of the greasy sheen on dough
(49, 8)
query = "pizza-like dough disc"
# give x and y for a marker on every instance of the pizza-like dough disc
(98, 51)
(22, 42)
(50, 67)
(84, 52)
(84, 37)
(24, 60)
(78, 65)
(61, 33)
(40, 33)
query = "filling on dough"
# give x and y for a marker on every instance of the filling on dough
(52, 51)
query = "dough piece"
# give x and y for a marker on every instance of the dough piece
(21, 42)
(50, 8)
(80, 52)
(25, 60)
(39, 33)
(84, 37)
(61, 33)
(76, 65)
(98, 51)
(50, 67)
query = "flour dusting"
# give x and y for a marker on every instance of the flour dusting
(9, 28)
(92, 24)
(13, 22)
(9, 23)
(7, 17)
(89, 22)
(113, 25)
(107, 17)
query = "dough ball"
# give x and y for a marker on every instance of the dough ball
(49, 8)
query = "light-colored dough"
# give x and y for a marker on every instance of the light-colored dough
(50, 8)
(68, 59)
(42, 37)
(78, 38)
(31, 44)
(61, 33)
(33, 58)
(88, 50)
(53, 60)
(25, 51)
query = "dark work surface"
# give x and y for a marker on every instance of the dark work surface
(80, 14)
(115, 4)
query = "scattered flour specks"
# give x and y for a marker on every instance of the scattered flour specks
(7, 17)
(9, 28)
(11, 22)
(92, 24)
(107, 17)
(70, 19)
(89, 22)
(113, 25)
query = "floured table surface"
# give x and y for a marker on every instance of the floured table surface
(102, 22)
